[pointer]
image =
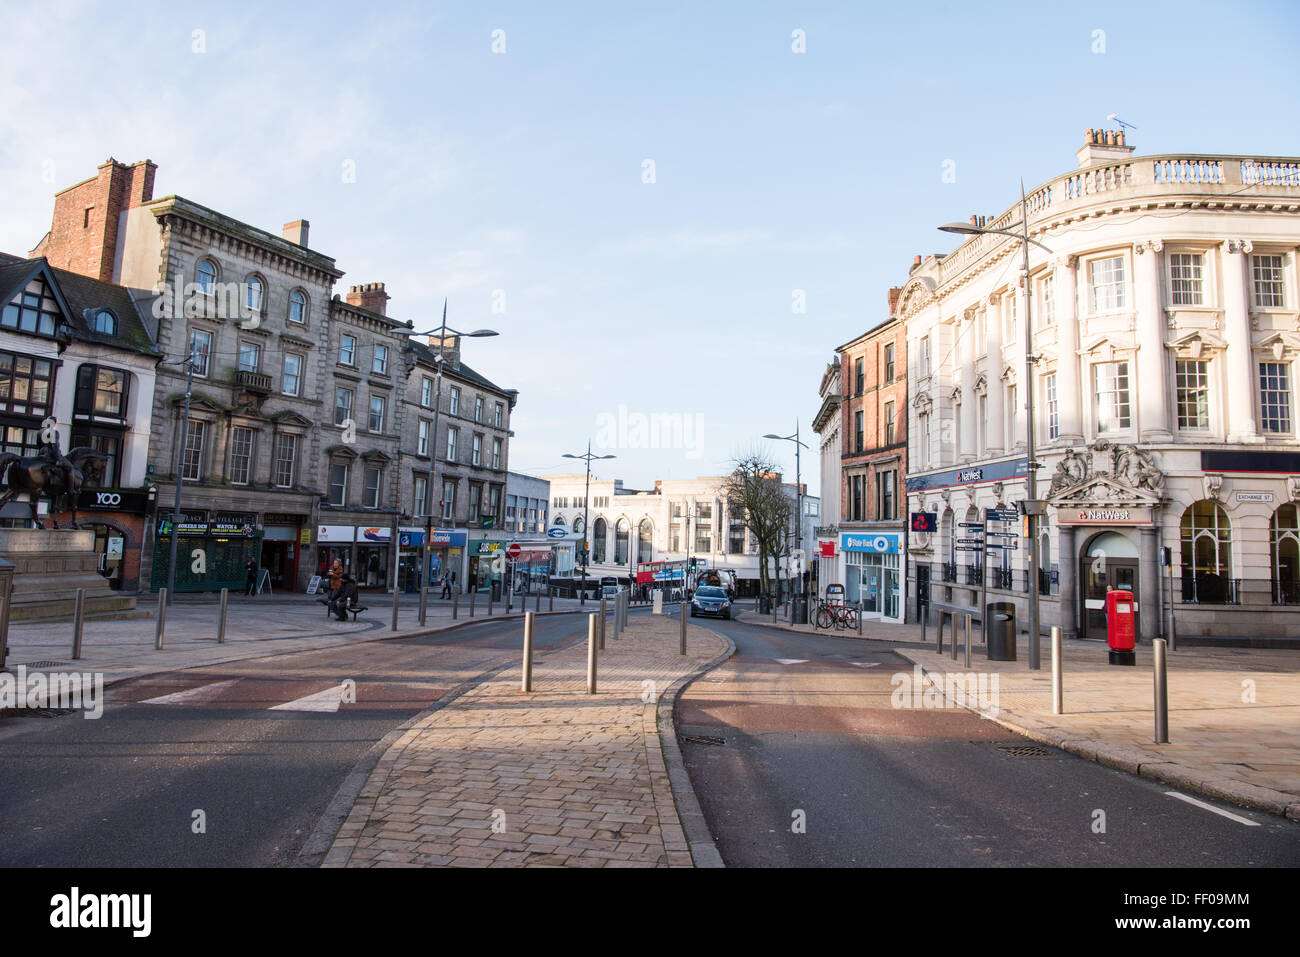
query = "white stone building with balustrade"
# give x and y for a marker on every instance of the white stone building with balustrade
(1166, 332)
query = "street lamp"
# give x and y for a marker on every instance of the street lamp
(586, 501)
(798, 507)
(1033, 507)
(441, 332)
(180, 473)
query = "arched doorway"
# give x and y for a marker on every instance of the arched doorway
(1109, 560)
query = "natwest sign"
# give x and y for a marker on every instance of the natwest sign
(1103, 516)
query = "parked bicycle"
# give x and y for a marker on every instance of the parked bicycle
(837, 615)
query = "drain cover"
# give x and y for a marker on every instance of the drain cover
(1024, 751)
(48, 664)
(702, 739)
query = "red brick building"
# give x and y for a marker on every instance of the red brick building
(874, 463)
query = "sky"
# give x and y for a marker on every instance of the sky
(670, 214)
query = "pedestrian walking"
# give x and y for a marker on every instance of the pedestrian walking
(446, 585)
(250, 577)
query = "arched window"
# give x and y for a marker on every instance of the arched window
(644, 541)
(621, 533)
(205, 276)
(1044, 564)
(1207, 553)
(297, 306)
(559, 520)
(105, 322)
(253, 294)
(598, 536)
(578, 524)
(1284, 539)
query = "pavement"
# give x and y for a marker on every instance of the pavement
(1234, 713)
(556, 777)
(124, 647)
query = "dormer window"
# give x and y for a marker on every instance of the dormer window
(104, 322)
(32, 310)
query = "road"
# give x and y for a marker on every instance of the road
(258, 747)
(799, 759)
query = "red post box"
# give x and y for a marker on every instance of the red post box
(1121, 627)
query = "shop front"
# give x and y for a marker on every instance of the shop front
(872, 573)
(213, 550)
(482, 564)
(282, 544)
(363, 551)
(447, 553)
(532, 567)
(118, 518)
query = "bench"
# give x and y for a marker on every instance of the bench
(352, 609)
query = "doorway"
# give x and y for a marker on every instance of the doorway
(1111, 560)
(281, 559)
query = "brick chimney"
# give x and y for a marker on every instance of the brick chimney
(894, 293)
(369, 295)
(1101, 147)
(83, 230)
(296, 232)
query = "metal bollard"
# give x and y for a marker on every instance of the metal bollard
(162, 619)
(602, 624)
(78, 622)
(550, 601)
(538, 604)
(221, 624)
(397, 592)
(968, 631)
(1162, 690)
(528, 651)
(1058, 693)
(424, 604)
(938, 634)
(859, 617)
(489, 601)
(591, 653)
(618, 617)
(682, 648)
(455, 604)
(472, 596)
(954, 637)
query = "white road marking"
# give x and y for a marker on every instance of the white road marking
(327, 700)
(866, 664)
(194, 695)
(792, 661)
(1210, 807)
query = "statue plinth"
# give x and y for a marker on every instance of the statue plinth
(49, 566)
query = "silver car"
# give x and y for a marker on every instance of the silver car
(712, 601)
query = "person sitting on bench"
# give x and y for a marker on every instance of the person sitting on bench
(344, 598)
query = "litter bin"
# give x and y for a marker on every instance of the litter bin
(799, 610)
(1000, 630)
(764, 604)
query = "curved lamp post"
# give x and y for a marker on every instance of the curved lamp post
(798, 507)
(586, 501)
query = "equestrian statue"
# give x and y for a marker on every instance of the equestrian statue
(52, 475)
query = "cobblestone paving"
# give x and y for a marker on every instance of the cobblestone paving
(558, 777)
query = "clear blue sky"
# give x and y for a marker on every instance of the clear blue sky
(522, 171)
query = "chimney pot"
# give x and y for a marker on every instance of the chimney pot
(917, 260)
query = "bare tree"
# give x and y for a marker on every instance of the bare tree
(754, 490)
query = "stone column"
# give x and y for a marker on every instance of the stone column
(1240, 359)
(1069, 400)
(969, 402)
(993, 379)
(1149, 585)
(1068, 565)
(1152, 366)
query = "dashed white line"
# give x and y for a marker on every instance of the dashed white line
(1210, 807)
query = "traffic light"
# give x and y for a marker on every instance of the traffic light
(692, 564)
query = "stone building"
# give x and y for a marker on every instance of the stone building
(1166, 327)
(77, 356)
(872, 530)
(827, 424)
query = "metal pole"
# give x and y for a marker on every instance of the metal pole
(618, 616)
(180, 481)
(586, 530)
(1058, 692)
(1031, 473)
(984, 581)
(682, 612)
(1162, 691)
(1173, 631)
(473, 595)
(424, 602)
(550, 601)
(397, 593)
(925, 619)
(591, 653)
(221, 624)
(78, 622)
(528, 651)
(537, 605)
(954, 637)
(968, 631)
(602, 624)
(859, 617)
(163, 596)
(489, 598)
(455, 602)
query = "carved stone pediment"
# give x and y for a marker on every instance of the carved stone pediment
(1105, 490)
(1118, 474)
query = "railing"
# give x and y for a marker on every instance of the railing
(1044, 581)
(974, 574)
(1001, 578)
(949, 572)
(253, 381)
(1210, 590)
(1286, 592)
(1157, 175)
